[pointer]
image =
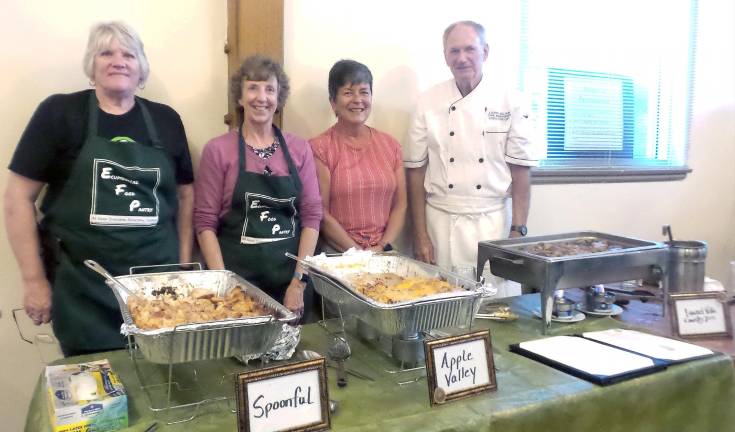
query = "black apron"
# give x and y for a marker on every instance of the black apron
(262, 225)
(118, 207)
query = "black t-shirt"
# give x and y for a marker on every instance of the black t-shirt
(55, 135)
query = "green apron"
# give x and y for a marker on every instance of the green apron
(262, 225)
(118, 207)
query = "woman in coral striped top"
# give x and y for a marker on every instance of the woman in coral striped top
(360, 169)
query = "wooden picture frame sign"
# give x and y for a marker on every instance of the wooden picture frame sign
(291, 397)
(700, 315)
(459, 366)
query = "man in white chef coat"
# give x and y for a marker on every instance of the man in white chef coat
(468, 150)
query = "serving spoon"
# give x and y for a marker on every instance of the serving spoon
(94, 265)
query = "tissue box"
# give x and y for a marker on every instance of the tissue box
(86, 397)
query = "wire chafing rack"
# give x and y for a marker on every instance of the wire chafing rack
(183, 369)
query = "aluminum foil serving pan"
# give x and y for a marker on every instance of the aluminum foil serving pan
(452, 309)
(248, 337)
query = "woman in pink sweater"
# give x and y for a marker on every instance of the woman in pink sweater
(256, 192)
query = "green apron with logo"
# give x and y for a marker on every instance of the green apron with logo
(118, 207)
(262, 225)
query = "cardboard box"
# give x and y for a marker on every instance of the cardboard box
(86, 397)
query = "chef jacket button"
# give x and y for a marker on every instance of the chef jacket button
(451, 159)
(481, 160)
(454, 108)
(451, 186)
(451, 133)
(478, 187)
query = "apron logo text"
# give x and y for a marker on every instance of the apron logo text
(264, 216)
(267, 219)
(120, 189)
(135, 205)
(124, 195)
(107, 176)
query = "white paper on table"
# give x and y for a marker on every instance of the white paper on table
(648, 344)
(587, 356)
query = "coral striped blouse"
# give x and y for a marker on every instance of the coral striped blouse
(363, 181)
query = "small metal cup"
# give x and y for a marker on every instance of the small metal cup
(563, 308)
(599, 301)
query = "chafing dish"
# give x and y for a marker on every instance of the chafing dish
(202, 341)
(404, 319)
(628, 259)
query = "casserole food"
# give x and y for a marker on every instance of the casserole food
(168, 309)
(391, 288)
(245, 336)
(334, 278)
(580, 246)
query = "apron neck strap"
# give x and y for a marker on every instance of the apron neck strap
(94, 119)
(152, 132)
(287, 156)
(93, 116)
(241, 149)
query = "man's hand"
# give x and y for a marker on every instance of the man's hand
(294, 298)
(37, 300)
(514, 234)
(423, 250)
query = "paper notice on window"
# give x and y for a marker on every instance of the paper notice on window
(587, 356)
(593, 114)
(648, 344)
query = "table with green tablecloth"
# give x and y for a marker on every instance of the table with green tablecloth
(693, 396)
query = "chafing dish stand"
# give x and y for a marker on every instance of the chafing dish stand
(633, 259)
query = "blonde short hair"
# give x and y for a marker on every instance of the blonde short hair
(101, 36)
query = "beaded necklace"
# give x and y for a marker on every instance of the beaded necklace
(265, 153)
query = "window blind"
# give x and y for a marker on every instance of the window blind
(611, 85)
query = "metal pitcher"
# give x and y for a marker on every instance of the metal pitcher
(686, 265)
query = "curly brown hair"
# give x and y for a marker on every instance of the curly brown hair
(259, 68)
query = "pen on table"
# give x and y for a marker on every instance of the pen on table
(152, 428)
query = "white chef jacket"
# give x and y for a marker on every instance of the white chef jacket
(468, 142)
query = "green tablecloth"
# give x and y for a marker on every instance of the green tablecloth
(694, 396)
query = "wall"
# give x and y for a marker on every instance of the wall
(404, 53)
(42, 43)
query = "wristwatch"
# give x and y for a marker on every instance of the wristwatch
(520, 229)
(301, 277)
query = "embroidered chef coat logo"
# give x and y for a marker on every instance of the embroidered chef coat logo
(268, 219)
(124, 196)
(497, 115)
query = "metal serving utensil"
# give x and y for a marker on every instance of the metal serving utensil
(666, 230)
(310, 355)
(339, 351)
(94, 265)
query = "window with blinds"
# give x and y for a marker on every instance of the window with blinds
(611, 86)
